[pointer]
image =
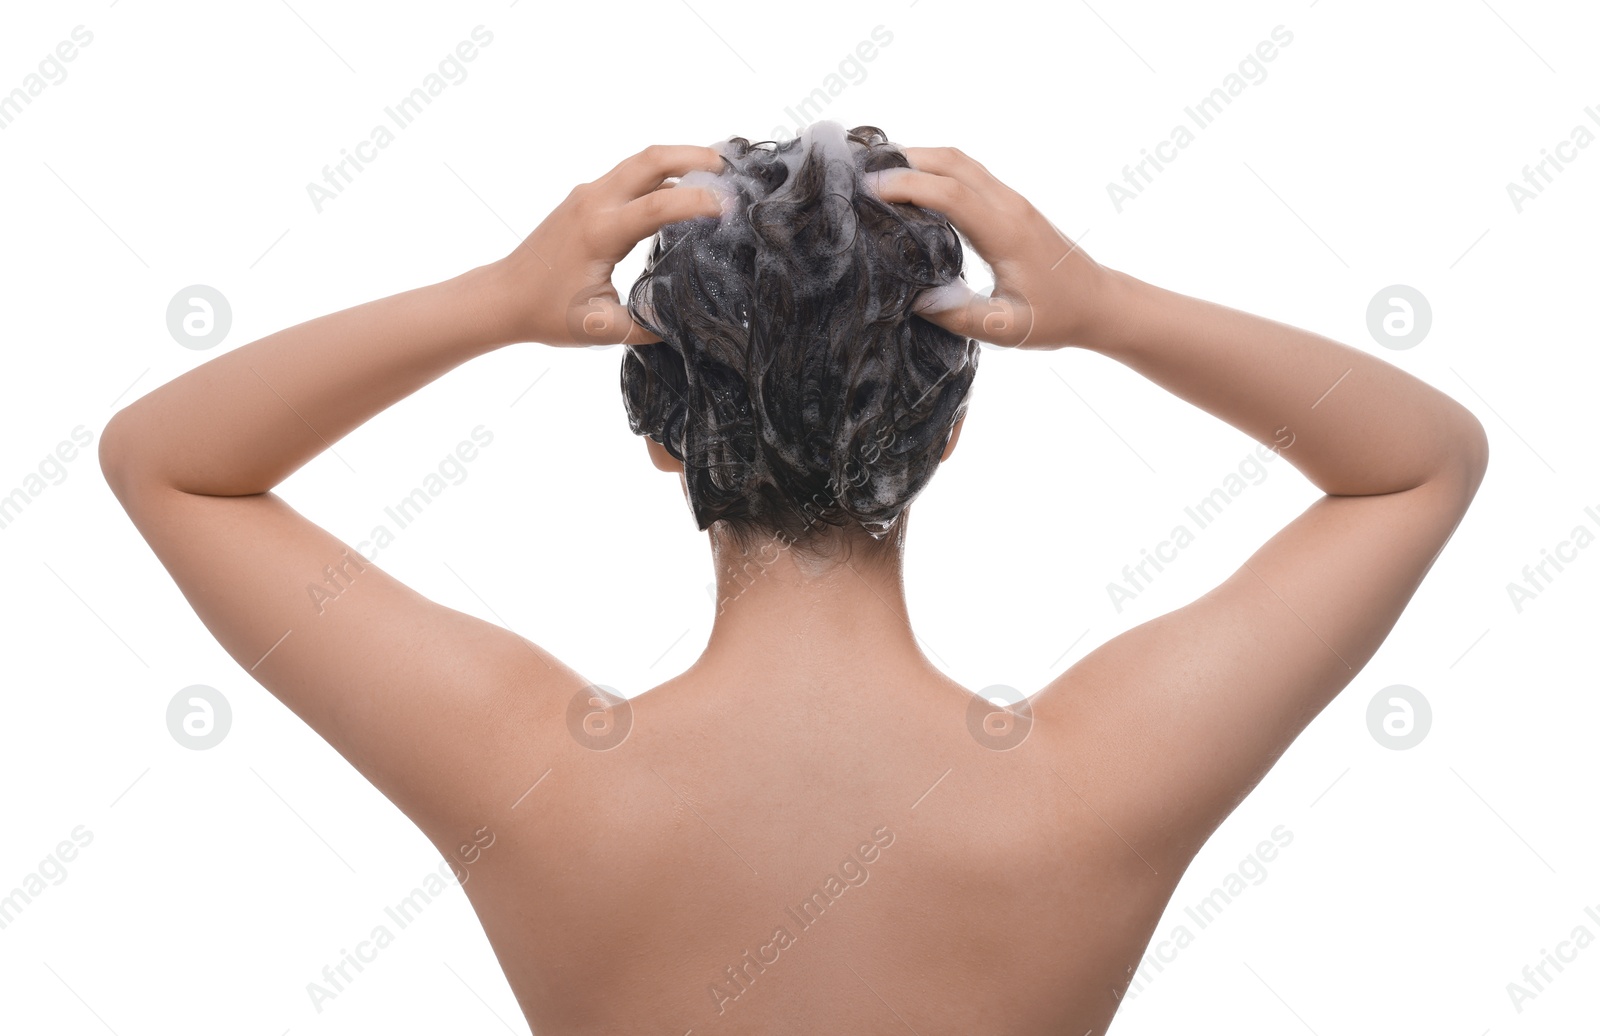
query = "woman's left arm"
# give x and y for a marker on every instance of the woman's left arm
(401, 686)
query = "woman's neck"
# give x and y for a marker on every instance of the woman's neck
(778, 609)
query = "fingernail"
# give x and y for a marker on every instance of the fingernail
(876, 179)
(719, 190)
(951, 295)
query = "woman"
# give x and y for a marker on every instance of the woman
(812, 829)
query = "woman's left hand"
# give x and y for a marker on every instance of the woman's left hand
(559, 279)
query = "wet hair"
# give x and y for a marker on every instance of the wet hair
(793, 380)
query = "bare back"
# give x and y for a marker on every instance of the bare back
(744, 861)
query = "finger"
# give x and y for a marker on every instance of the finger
(596, 317)
(638, 334)
(958, 165)
(966, 209)
(645, 171)
(603, 321)
(641, 217)
(930, 190)
(958, 309)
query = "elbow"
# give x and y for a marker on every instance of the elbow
(1476, 443)
(114, 453)
(1469, 456)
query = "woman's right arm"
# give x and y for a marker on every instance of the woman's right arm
(1166, 727)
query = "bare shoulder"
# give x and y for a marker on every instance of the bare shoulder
(1174, 721)
(419, 697)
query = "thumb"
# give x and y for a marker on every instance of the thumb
(595, 317)
(638, 334)
(957, 308)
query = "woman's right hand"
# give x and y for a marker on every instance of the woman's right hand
(1048, 292)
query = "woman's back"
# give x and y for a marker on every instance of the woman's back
(770, 855)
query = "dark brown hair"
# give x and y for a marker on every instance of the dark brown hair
(793, 380)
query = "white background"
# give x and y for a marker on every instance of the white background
(1376, 151)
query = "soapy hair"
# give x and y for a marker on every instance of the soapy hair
(793, 379)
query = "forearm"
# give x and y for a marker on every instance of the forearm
(246, 420)
(1352, 423)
